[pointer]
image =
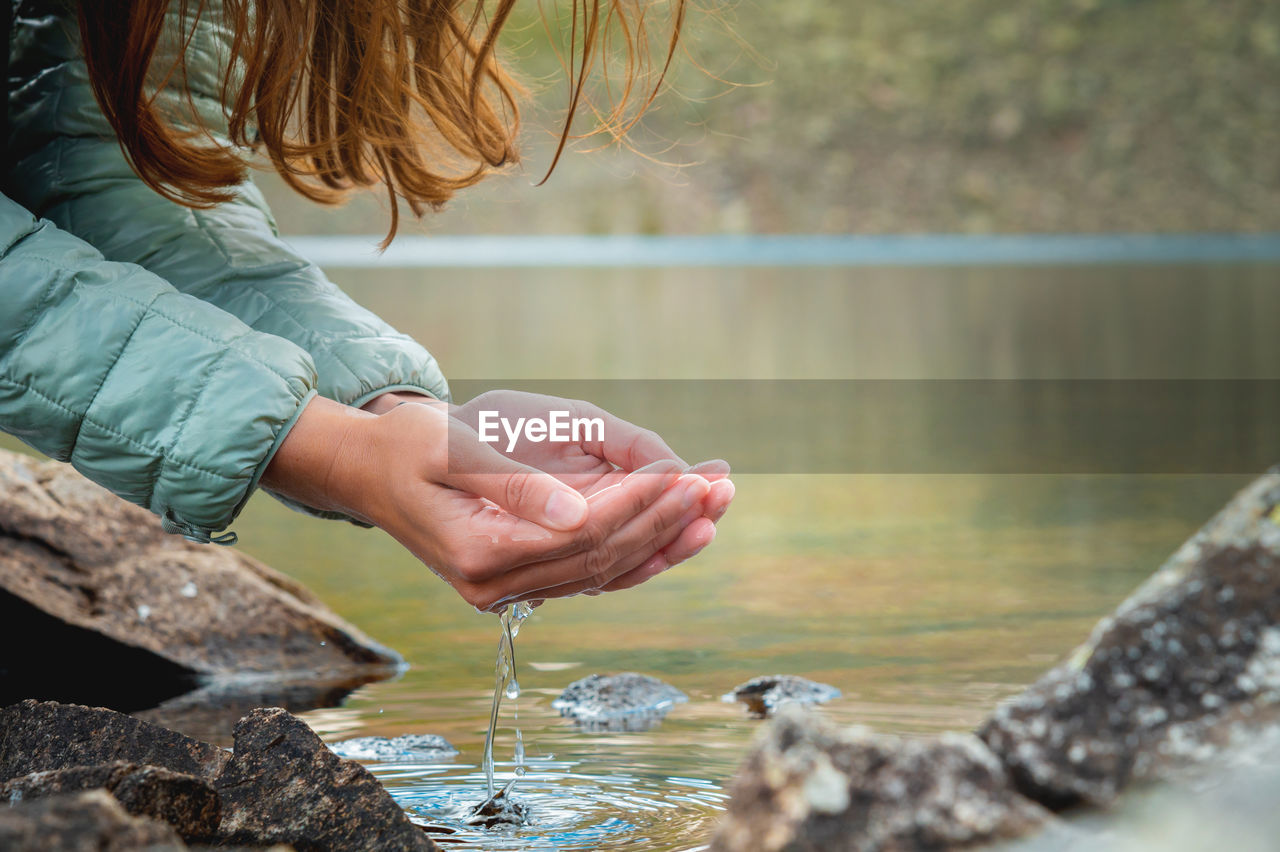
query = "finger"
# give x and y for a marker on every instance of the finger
(693, 537)
(652, 567)
(691, 541)
(608, 480)
(524, 491)
(630, 564)
(718, 499)
(711, 471)
(513, 550)
(625, 549)
(625, 444)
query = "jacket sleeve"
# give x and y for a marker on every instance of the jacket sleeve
(166, 400)
(231, 256)
(66, 165)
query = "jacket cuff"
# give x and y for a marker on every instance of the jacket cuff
(364, 399)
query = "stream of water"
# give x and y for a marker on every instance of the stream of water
(499, 806)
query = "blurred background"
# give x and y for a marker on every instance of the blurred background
(874, 116)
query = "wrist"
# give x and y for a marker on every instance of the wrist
(320, 460)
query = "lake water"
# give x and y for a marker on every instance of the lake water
(926, 598)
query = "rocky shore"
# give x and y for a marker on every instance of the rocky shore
(109, 781)
(1180, 685)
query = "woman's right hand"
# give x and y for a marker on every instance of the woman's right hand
(496, 530)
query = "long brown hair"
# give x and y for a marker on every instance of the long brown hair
(352, 93)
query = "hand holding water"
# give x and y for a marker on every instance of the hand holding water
(497, 529)
(597, 462)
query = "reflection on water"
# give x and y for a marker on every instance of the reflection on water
(211, 711)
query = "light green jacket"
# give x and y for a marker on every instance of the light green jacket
(165, 352)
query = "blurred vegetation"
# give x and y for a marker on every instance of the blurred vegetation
(910, 116)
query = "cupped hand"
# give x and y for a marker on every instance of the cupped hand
(599, 461)
(496, 529)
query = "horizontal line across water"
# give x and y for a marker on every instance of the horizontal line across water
(360, 252)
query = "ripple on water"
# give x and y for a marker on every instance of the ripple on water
(568, 809)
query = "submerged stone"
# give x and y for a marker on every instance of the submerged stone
(764, 695)
(808, 785)
(498, 810)
(1188, 664)
(627, 701)
(409, 747)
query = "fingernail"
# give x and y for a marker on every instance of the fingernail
(694, 491)
(718, 468)
(566, 509)
(663, 466)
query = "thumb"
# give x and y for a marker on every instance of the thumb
(522, 490)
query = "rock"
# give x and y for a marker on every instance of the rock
(1189, 662)
(763, 695)
(409, 747)
(284, 786)
(1228, 803)
(40, 736)
(90, 821)
(498, 810)
(807, 785)
(186, 803)
(113, 597)
(626, 701)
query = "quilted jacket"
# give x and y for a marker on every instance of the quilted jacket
(165, 352)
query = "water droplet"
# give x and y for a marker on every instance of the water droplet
(189, 590)
(513, 689)
(144, 612)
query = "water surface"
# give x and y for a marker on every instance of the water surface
(924, 598)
